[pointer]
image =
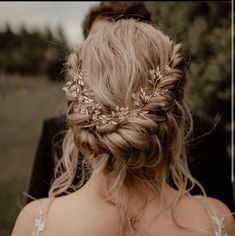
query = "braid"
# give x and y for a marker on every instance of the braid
(126, 112)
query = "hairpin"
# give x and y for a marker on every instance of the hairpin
(84, 104)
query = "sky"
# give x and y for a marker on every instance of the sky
(38, 14)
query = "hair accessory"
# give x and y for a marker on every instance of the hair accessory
(84, 104)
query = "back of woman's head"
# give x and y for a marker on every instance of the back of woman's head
(126, 112)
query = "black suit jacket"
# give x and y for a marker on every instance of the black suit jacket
(208, 161)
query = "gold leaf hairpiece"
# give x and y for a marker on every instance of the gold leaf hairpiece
(84, 105)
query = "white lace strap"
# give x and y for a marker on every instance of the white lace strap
(216, 219)
(39, 223)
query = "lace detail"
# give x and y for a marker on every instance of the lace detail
(39, 223)
(216, 219)
(219, 224)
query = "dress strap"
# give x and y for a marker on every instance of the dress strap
(216, 219)
(39, 222)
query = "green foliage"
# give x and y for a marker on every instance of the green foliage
(205, 33)
(33, 53)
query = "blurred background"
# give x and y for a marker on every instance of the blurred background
(36, 37)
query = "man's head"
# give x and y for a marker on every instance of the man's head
(114, 10)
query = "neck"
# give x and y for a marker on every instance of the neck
(97, 188)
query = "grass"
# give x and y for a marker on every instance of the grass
(25, 102)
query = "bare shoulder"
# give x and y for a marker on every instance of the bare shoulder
(219, 205)
(24, 224)
(224, 211)
(194, 211)
(191, 212)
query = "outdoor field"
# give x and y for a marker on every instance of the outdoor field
(24, 102)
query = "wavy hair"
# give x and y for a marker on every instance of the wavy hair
(138, 153)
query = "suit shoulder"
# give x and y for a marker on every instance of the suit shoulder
(56, 121)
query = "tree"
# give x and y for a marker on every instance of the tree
(37, 52)
(204, 30)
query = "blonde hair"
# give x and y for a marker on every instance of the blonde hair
(138, 152)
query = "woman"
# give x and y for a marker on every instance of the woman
(128, 127)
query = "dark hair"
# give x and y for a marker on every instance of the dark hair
(114, 9)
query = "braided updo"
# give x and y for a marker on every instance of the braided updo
(137, 151)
